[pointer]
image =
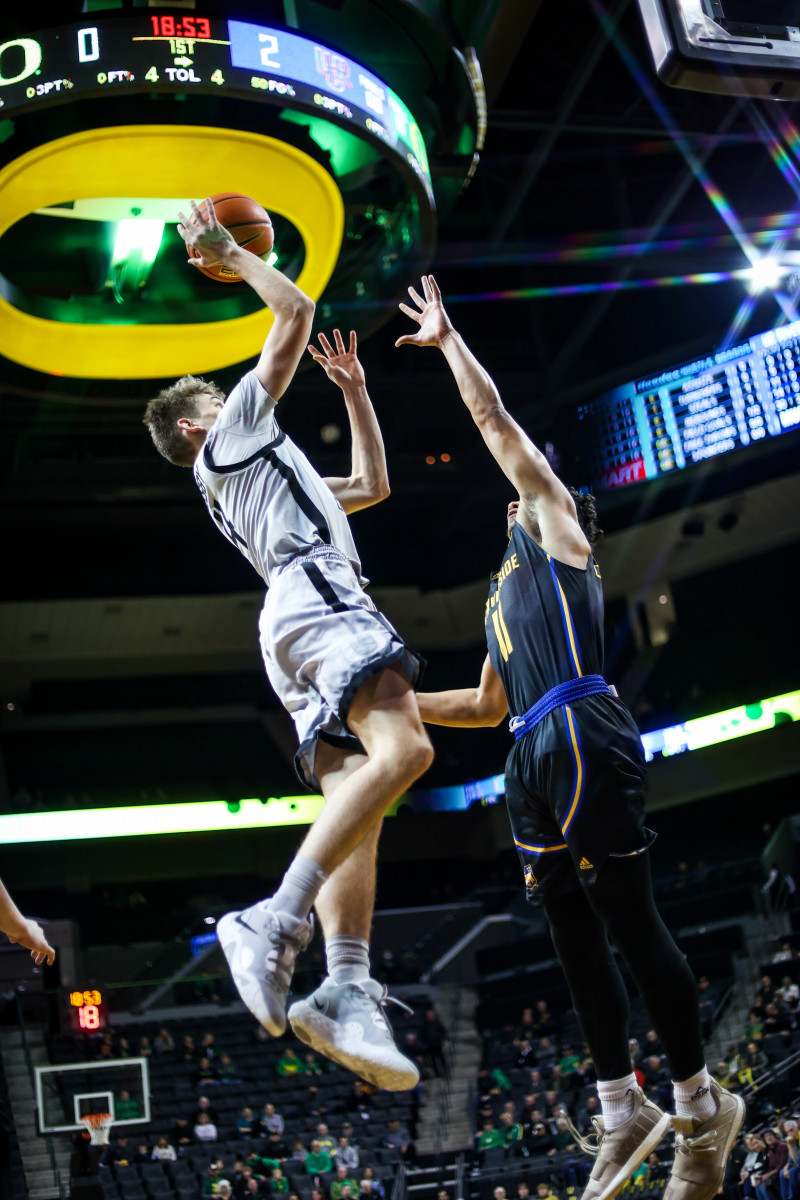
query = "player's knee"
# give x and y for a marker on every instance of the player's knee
(417, 754)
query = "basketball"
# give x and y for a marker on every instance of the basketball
(247, 222)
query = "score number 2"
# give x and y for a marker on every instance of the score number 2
(268, 50)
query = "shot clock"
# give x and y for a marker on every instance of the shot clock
(86, 1010)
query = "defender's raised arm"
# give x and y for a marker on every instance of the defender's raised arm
(292, 309)
(521, 461)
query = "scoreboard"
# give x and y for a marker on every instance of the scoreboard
(663, 423)
(183, 54)
(87, 1011)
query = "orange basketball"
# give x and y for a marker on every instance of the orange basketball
(247, 222)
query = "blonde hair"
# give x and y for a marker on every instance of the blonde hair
(163, 413)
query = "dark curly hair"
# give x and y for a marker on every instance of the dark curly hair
(587, 515)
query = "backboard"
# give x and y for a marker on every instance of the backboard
(64, 1093)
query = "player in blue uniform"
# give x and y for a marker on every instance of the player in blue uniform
(575, 789)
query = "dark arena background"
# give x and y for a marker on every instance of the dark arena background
(607, 192)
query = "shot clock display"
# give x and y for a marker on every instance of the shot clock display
(87, 1010)
(177, 53)
(660, 424)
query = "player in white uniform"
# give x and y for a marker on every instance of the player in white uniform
(339, 667)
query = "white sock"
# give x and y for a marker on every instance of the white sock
(347, 957)
(616, 1099)
(693, 1096)
(299, 888)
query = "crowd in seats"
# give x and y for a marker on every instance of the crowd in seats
(237, 1115)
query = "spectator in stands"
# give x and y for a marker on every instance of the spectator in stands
(317, 1194)
(526, 1055)
(523, 1191)
(755, 1162)
(789, 993)
(412, 1049)
(278, 1183)
(657, 1080)
(142, 1154)
(326, 1142)
(546, 1191)
(398, 1138)
(212, 1178)
(317, 1161)
(790, 1175)
(205, 1130)
(188, 1050)
(224, 1191)
(546, 1053)
(370, 1186)
(526, 1030)
(227, 1071)
(652, 1042)
(276, 1146)
(163, 1151)
(754, 1027)
(208, 1046)
(510, 1129)
(121, 1154)
(499, 1193)
(488, 1136)
(288, 1063)
(752, 1064)
(126, 1109)
(255, 1162)
(562, 1138)
(361, 1098)
(776, 1020)
(253, 1189)
(542, 1018)
(245, 1125)
(586, 1114)
(204, 1106)
(271, 1120)
(344, 1180)
(569, 1060)
(123, 1048)
(182, 1133)
(539, 1141)
(434, 1036)
(310, 1066)
(164, 1043)
(786, 953)
(206, 1073)
(145, 1049)
(777, 1157)
(299, 1151)
(345, 1155)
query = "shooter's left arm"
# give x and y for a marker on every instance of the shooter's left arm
(368, 481)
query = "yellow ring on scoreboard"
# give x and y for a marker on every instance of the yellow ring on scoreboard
(154, 161)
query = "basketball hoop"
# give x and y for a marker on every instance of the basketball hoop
(99, 1127)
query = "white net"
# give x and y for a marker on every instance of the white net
(99, 1127)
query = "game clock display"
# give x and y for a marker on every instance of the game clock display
(86, 1010)
(188, 53)
(660, 424)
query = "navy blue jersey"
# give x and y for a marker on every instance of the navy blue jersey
(544, 621)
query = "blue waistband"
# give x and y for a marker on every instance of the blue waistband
(562, 693)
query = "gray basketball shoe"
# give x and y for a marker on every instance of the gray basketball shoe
(620, 1151)
(702, 1148)
(346, 1022)
(261, 947)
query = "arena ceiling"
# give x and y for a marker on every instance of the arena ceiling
(597, 241)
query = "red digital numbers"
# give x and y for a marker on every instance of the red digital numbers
(89, 1017)
(186, 27)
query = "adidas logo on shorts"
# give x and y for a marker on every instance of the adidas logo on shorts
(585, 865)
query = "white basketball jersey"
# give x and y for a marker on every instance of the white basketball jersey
(262, 491)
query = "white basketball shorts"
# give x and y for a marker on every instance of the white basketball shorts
(321, 638)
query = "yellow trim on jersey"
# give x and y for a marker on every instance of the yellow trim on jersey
(538, 849)
(503, 624)
(576, 750)
(500, 639)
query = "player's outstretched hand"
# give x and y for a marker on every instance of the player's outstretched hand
(31, 936)
(340, 365)
(434, 323)
(203, 232)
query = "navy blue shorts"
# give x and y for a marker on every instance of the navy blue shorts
(575, 792)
